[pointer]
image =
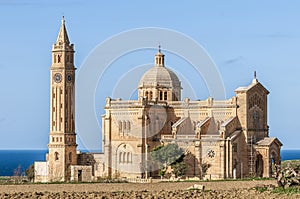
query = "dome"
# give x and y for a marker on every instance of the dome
(160, 76)
(159, 83)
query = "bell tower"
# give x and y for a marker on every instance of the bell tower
(62, 138)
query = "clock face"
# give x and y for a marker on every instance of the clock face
(69, 78)
(57, 77)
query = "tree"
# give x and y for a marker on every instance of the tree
(169, 155)
(30, 172)
(17, 171)
(179, 168)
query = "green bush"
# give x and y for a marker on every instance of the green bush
(30, 172)
(169, 155)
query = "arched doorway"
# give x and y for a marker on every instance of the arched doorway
(234, 170)
(274, 162)
(259, 165)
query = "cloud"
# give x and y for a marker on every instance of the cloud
(233, 60)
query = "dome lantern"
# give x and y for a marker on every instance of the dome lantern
(159, 58)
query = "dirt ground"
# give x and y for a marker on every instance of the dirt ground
(221, 189)
(113, 187)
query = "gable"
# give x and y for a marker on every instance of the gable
(257, 87)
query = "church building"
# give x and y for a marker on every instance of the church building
(220, 138)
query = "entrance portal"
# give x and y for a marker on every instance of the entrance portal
(79, 175)
(259, 166)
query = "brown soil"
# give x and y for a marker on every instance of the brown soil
(222, 189)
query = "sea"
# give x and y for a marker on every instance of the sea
(17, 161)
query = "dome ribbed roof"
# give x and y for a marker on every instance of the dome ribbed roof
(160, 76)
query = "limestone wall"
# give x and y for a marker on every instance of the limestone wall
(40, 171)
(81, 173)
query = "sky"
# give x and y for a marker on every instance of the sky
(239, 37)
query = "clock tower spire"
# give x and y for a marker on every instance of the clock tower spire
(62, 141)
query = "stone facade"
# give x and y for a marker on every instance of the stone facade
(41, 171)
(62, 137)
(81, 173)
(62, 141)
(221, 138)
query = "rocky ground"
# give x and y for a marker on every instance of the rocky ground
(222, 189)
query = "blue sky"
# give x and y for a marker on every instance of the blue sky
(239, 36)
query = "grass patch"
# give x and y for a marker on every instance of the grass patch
(280, 190)
(221, 180)
(239, 179)
(290, 190)
(261, 189)
(82, 182)
(290, 163)
(256, 178)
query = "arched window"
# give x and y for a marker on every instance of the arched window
(151, 95)
(166, 95)
(58, 58)
(124, 157)
(124, 125)
(120, 127)
(120, 157)
(129, 157)
(160, 95)
(128, 125)
(56, 156)
(70, 157)
(146, 94)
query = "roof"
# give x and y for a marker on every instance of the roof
(235, 134)
(228, 121)
(180, 121)
(63, 35)
(267, 141)
(200, 124)
(254, 83)
(160, 76)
